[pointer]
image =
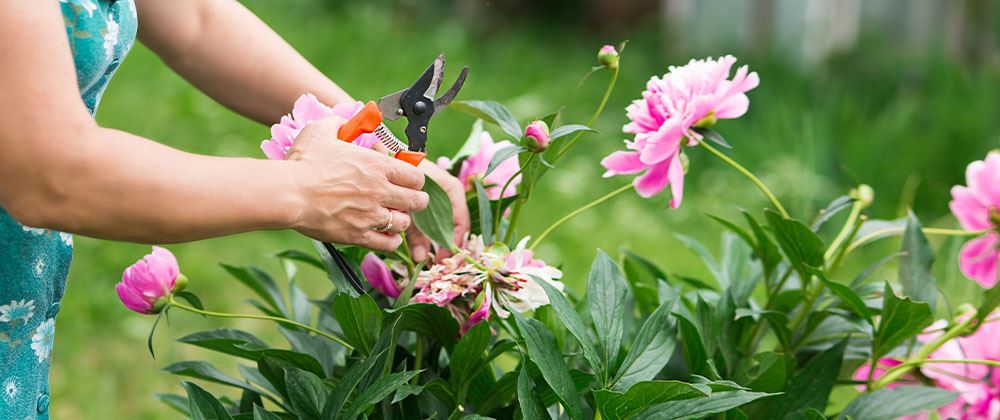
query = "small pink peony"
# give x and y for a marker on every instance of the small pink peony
(306, 110)
(147, 284)
(694, 95)
(608, 56)
(978, 385)
(536, 136)
(976, 208)
(476, 165)
(379, 275)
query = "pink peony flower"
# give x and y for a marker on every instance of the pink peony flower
(608, 56)
(883, 365)
(978, 385)
(476, 165)
(515, 281)
(147, 284)
(694, 95)
(379, 275)
(536, 136)
(976, 208)
(306, 110)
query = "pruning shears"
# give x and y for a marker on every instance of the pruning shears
(418, 105)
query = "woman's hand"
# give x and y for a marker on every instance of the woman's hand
(419, 244)
(348, 191)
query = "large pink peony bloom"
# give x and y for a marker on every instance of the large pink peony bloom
(147, 284)
(976, 208)
(978, 385)
(694, 95)
(306, 110)
(476, 165)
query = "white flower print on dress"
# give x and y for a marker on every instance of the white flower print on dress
(41, 341)
(110, 38)
(33, 231)
(66, 238)
(11, 387)
(22, 309)
(39, 267)
(87, 5)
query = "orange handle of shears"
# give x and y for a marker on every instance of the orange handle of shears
(366, 121)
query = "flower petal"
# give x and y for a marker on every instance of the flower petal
(654, 180)
(978, 259)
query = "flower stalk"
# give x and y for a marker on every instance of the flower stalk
(574, 213)
(924, 352)
(749, 175)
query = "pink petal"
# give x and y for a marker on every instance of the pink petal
(272, 150)
(366, 140)
(983, 177)
(132, 300)
(481, 314)
(284, 135)
(676, 177)
(379, 275)
(622, 162)
(653, 181)
(347, 110)
(732, 106)
(978, 259)
(664, 144)
(308, 109)
(969, 211)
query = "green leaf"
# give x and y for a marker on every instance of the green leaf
(814, 414)
(500, 156)
(333, 271)
(652, 347)
(916, 273)
(565, 130)
(694, 347)
(191, 298)
(491, 112)
(766, 251)
(543, 350)
(696, 408)
(739, 231)
(227, 341)
(901, 320)
(847, 295)
(888, 404)
(278, 359)
(259, 413)
(606, 293)
(360, 319)
(428, 320)
(205, 371)
(467, 356)
(769, 372)
(500, 394)
(300, 256)
(405, 391)
(567, 313)
(615, 405)
(203, 405)
(471, 143)
(803, 248)
(349, 382)
(713, 136)
(306, 393)
(174, 401)
(435, 221)
(527, 399)
(260, 282)
(378, 391)
(836, 206)
(991, 299)
(875, 229)
(644, 278)
(706, 257)
(485, 212)
(811, 386)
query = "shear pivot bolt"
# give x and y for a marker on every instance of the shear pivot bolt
(399, 111)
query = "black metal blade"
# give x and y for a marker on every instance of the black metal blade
(452, 92)
(344, 267)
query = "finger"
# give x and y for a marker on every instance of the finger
(381, 242)
(400, 222)
(404, 174)
(460, 213)
(403, 199)
(419, 245)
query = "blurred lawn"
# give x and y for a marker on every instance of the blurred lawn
(906, 128)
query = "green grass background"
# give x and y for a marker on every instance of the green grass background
(907, 127)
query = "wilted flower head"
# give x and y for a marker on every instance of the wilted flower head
(536, 136)
(976, 208)
(608, 57)
(476, 165)
(306, 110)
(147, 284)
(692, 96)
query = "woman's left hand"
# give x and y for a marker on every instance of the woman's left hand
(419, 244)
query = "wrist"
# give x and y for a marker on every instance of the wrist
(287, 195)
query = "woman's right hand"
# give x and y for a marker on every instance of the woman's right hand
(348, 191)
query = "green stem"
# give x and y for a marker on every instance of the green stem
(839, 259)
(419, 357)
(923, 353)
(515, 213)
(845, 231)
(286, 321)
(749, 175)
(497, 214)
(593, 118)
(573, 213)
(927, 231)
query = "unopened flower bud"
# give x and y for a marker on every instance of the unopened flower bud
(608, 57)
(863, 193)
(536, 136)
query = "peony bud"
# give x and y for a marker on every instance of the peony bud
(147, 285)
(536, 136)
(379, 276)
(863, 193)
(608, 57)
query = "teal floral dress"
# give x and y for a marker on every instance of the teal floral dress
(34, 262)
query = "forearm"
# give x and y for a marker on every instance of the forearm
(109, 184)
(231, 55)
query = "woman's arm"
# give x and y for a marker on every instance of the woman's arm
(227, 52)
(61, 171)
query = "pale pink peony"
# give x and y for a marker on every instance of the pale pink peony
(476, 165)
(694, 95)
(306, 110)
(975, 206)
(978, 385)
(516, 280)
(147, 284)
(379, 276)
